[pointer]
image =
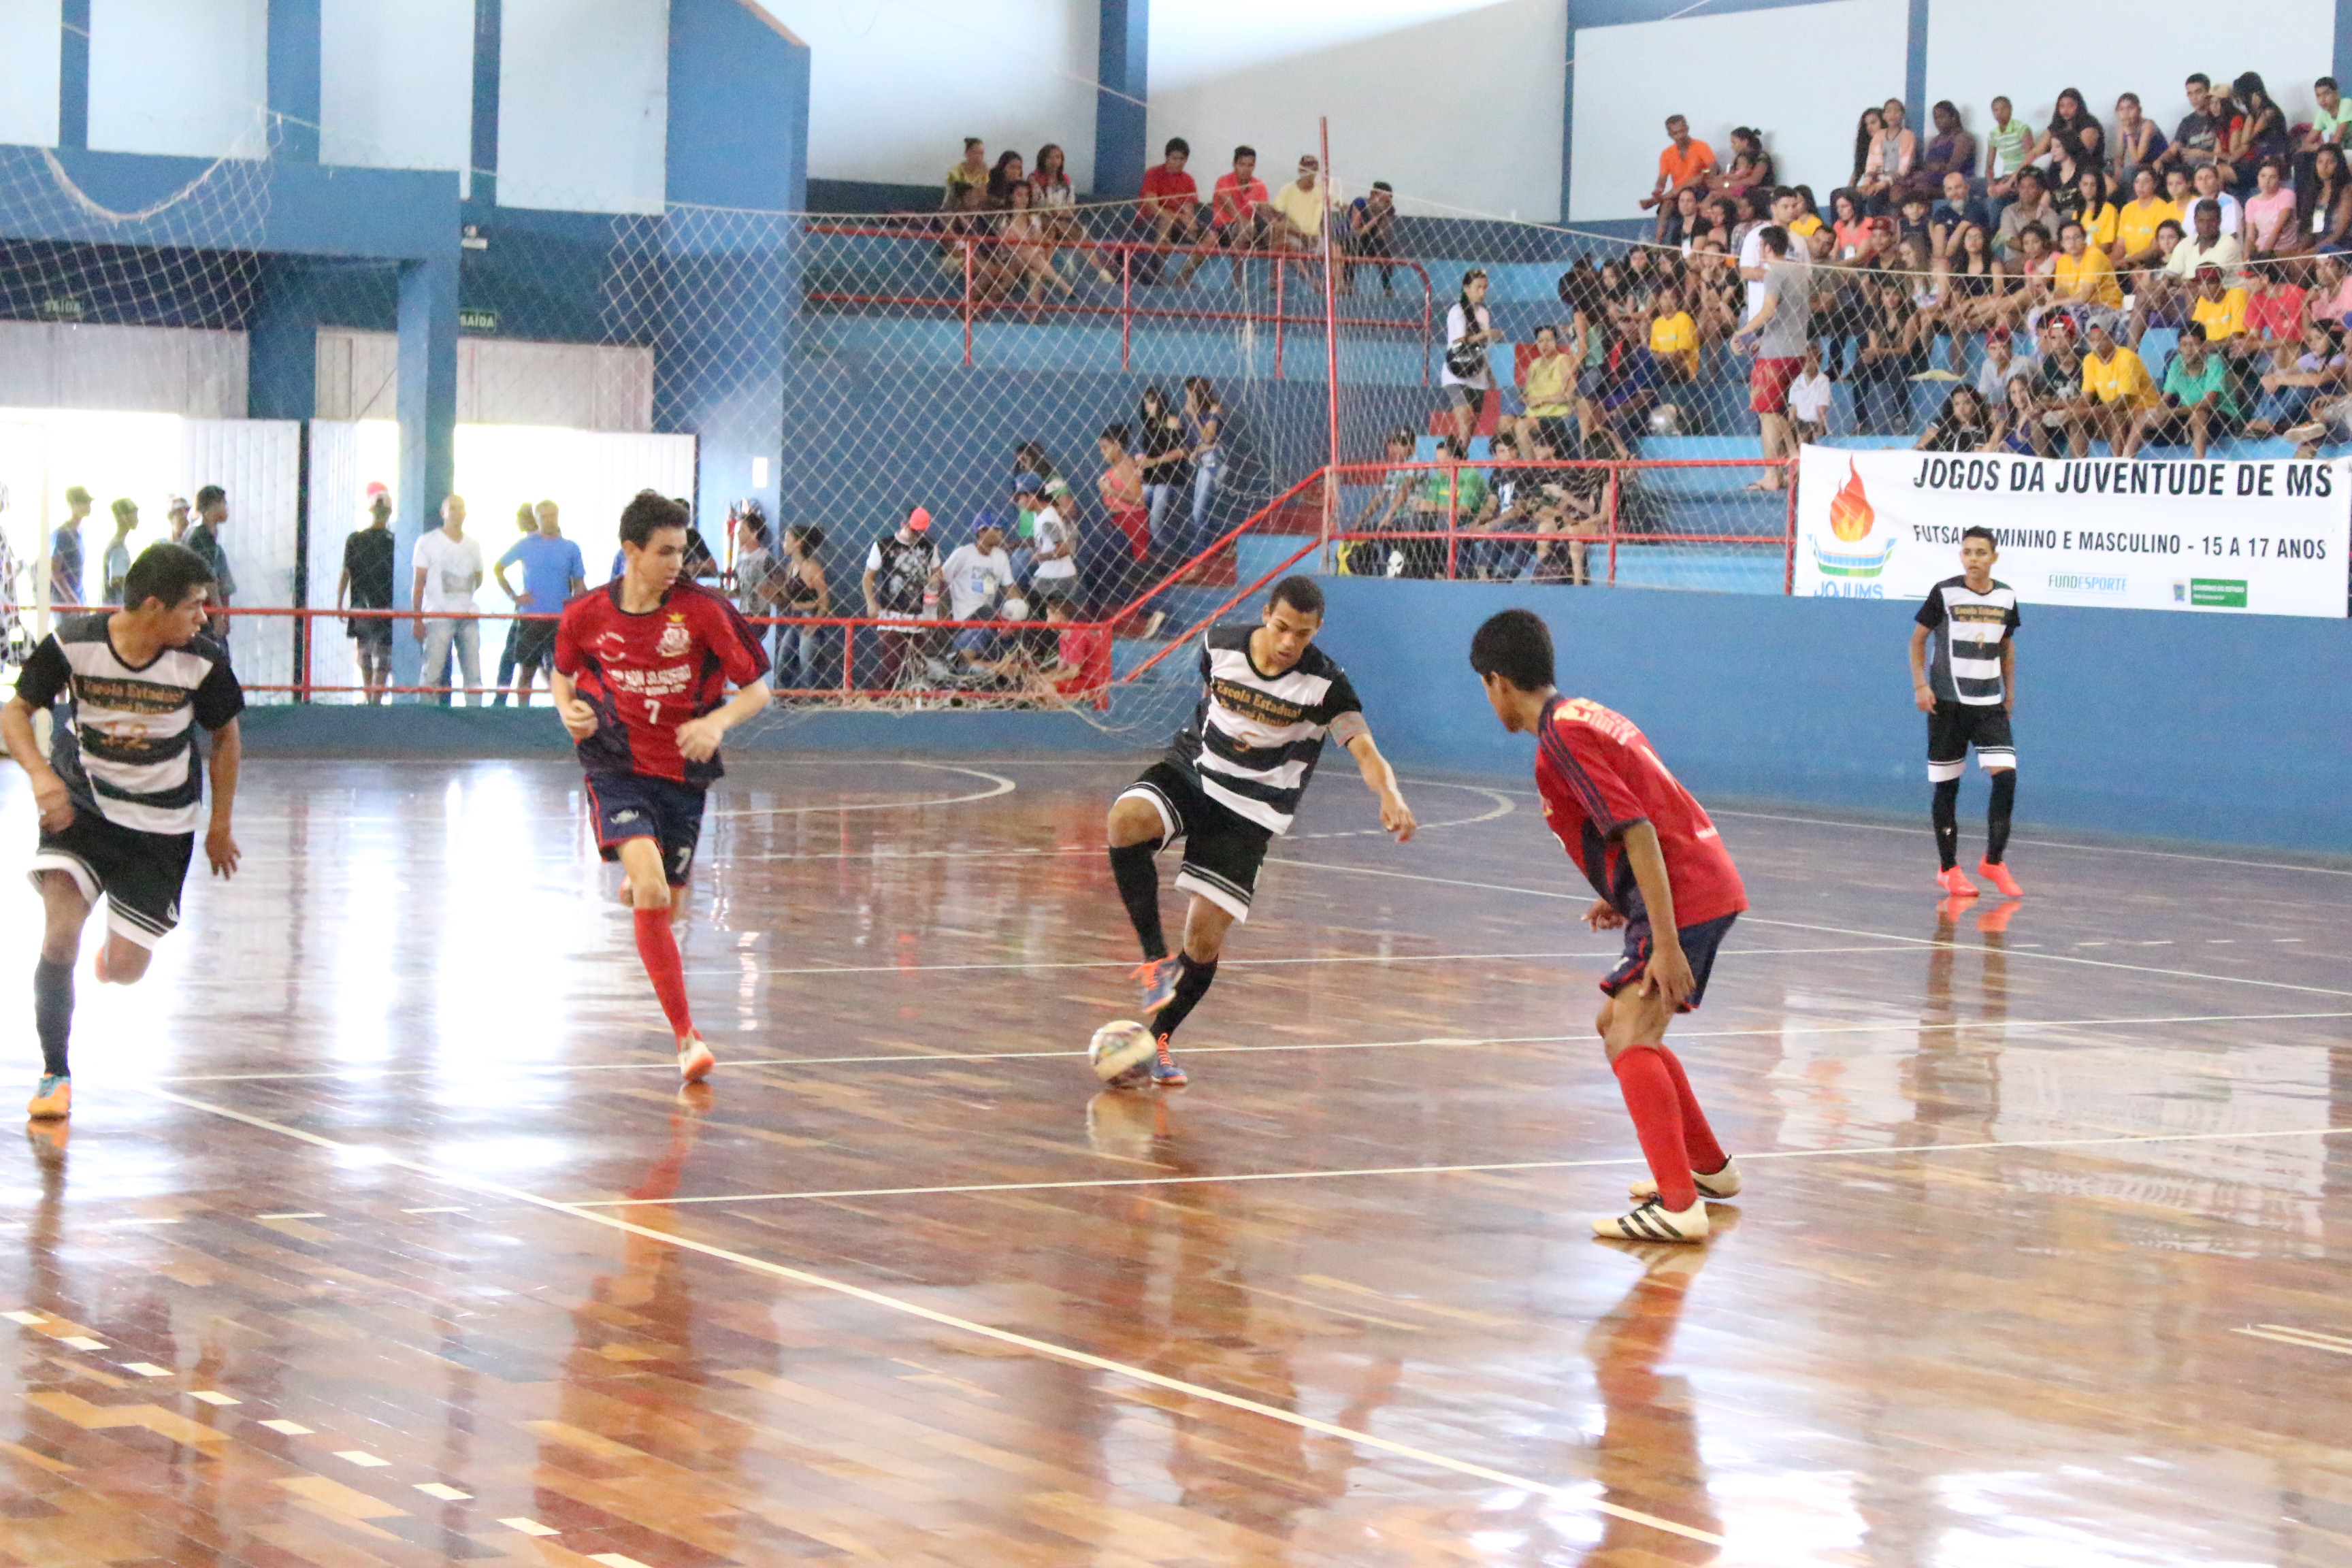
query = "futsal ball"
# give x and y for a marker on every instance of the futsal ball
(1665, 419)
(1119, 1049)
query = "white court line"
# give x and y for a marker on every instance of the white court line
(1917, 941)
(1860, 1151)
(1583, 1496)
(1453, 1041)
(2303, 1339)
(1002, 786)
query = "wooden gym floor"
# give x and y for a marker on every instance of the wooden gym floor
(383, 1236)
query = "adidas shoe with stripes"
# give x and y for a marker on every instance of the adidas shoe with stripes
(1723, 1184)
(1653, 1221)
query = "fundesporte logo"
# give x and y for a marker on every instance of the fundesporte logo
(1851, 517)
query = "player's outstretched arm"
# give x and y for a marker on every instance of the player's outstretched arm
(228, 754)
(579, 718)
(1396, 816)
(698, 739)
(49, 795)
(1668, 973)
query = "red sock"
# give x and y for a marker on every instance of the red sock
(1706, 1154)
(1649, 1091)
(657, 945)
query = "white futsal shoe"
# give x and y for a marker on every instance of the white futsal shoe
(695, 1060)
(1653, 1221)
(1723, 1184)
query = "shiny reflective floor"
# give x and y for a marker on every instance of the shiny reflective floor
(381, 1235)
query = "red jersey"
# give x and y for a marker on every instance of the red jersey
(1598, 777)
(646, 674)
(1164, 192)
(1235, 200)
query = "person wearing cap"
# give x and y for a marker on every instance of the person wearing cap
(65, 551)
(176, 515)
(2199, 402)
(1052, 536)
(979, 576)
(902, 584)
(116, 565)
(1369, 236)
(366, 585)
(2005, 355)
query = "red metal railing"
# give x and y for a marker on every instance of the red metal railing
(971, 307)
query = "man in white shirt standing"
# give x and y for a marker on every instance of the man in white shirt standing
(978, 574)
(448, 571)
(1785, 205)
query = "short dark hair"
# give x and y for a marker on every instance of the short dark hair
(1383, 185)
(1244, 151)
(2326, 81)
(77, 496)
(972, 142)
(2199, 78)
(209, 494)
(647, 514)
(1053, 602)
(1780, 191)
(164, 570)
(2192, 329)
(1301, 593)
(1978, 530)
(1774, 239)
(124, 506)
(1177, 145)
(1675, 119)
(1115, 433)
(2032, 172)
(811, 536)
(2207, 206)
(1515, 644)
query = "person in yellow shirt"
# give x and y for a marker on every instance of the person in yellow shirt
(2116, 384)
(2220, 310)
(1673, 338)
(2100, 214)
(2180, 195)
(1547, 390)
(2084, 274)
(2134, 239)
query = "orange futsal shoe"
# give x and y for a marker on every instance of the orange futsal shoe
(1996, 873)
(1954, 881)
(53, 1101)
(695, 1059)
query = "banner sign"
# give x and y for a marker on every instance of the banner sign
(2268, 537)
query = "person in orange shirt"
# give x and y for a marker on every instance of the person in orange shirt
(1686, 160)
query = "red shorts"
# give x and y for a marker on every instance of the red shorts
(1136, 525)
(1767, 385)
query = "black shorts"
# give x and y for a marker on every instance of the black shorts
(139, 874)
(1954, 727)
(534, 643)
(1222, 848)
(631, 805)
(373, 630)
(1699, 944)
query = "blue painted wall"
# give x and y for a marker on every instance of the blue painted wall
(2223, 729)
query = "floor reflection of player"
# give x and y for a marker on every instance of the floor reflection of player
(1648, 1455)
(1955, 1075)
(1208, 1310)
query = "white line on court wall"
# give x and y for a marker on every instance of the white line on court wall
(1579, 1496)
(1918, 941)
(1449, 1041)
(1860, 1151)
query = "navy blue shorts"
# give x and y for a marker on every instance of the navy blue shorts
(631, 805)
(1699, 943)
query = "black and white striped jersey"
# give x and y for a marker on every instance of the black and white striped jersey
(1255, 738)
(1968, 628)
(124, 741)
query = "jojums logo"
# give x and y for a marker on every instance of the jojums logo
(1851, 517)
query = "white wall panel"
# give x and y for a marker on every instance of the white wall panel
(259, 463)
(30, 45)
(894, 88)
(1765, 68)
(583, 104)
(1480, 135)
(185, 76)
(1972, 53)
(396, 83)
(500, 381)
(150, 370)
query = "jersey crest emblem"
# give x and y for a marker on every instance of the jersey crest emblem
(675, 638)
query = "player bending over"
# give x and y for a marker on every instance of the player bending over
(1227, 785)
(121, 790)
(642, 667)
(1968, 693)
(1663, 876)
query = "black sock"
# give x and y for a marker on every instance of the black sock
(1947, 812)
(1138, 889)
(2004, 797)
(53, 1013)
(1193, 982)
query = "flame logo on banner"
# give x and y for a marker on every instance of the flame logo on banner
(1850, 511)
